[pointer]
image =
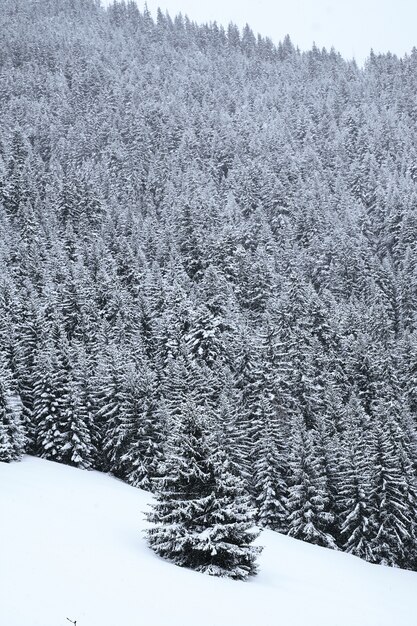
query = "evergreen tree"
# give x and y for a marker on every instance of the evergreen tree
(63, 430)
(110, 409)
(76, 448)
(12, 435)
(144, 452)
(269, 472)
(354, 504)
(202, 517)
(50, 387)
(309, 517)
(393, 495)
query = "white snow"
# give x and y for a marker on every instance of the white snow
(71, 546)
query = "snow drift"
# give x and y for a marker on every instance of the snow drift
(72, 546)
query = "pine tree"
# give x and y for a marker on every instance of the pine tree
(144, 428)
(12, 435)
(48, 389)
(309, 517)
(228, 424)
(269, 471)
(203, 339)
(353, 502)
(29, 334)
(202, 517)
(110, 414)
(76, 448)
(63, 429)
(392, 517)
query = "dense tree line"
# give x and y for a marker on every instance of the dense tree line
(208, 240)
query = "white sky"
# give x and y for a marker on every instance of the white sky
(353, 27)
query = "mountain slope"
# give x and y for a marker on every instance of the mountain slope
(72, 546)
(191, 216)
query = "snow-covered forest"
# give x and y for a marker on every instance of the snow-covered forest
(208, 255)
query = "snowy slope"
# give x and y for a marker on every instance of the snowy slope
(71, 546)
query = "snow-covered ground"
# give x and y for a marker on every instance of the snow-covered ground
(72, 546)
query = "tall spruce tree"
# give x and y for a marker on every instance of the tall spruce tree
(354, 498)
(12, 435)
(309, 517)
(269, 471)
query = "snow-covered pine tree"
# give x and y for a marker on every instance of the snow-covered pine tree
(309, 517)
(77, 448)
(12, 435)
(48, 439)
(353, 498)
(393, 492)
(63, 430)
(143, 427)
(228, 425)
(202, 517)
(28, 337)
(269, 470)
(109, 412)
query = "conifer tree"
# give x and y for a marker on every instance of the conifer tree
(63, 430)
(77, 447)
(393, 494)
(309, 517)
(49, 389)
(269, 471)
(202, 517)
(144, 428)
(353, 502)
(110, 414)
(228, 424)
(12, 435)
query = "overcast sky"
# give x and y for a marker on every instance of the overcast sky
(353, 27)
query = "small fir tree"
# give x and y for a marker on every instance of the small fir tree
(202, 516)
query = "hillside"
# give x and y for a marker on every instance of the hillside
(201, 228)
(71, 545)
